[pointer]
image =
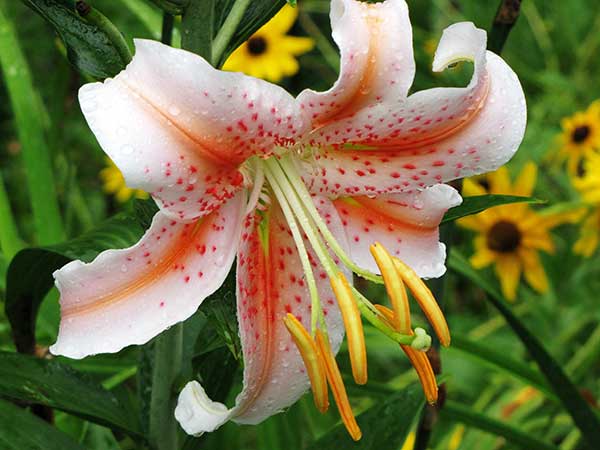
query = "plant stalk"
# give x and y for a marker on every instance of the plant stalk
(35, 151)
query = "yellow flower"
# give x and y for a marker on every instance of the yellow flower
(580, 137)
(510, 236)
(588, 185)
(270, 53)
(114, 184)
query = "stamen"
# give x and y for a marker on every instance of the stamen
(422, 366)
(316, 309)
(395, 288)
(337, 387)
(313, 361)
(353, 325)
(255, 195)
(288, 168)
(418, 359)
(426, 301)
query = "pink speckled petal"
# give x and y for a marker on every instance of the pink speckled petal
(407, 224)
(377, 64)
(271, 283)
(434, 136)
(129, 296)
(179, 129)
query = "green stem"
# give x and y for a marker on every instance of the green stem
(168, 349)
(507, 15)
(98, 19)
(36, 154)
(174, 7)
(166, 36)
(10, 243)
(197, 28)
(228, 29)
(331, 56)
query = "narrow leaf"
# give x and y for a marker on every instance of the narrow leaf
(27, 110)
(583, 416)
(457, 412)
(28, 379)
(477, 203)
(89, 48)
(256, 15)
(384, 426)
(20, 430)
(500, 360)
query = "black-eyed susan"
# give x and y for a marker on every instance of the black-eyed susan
(580, 137)
(510, 236)
(271, 53)
(114, 184)
(588, 185)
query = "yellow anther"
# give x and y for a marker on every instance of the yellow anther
(426, 301)
(394, 286)
(353, 324)
(337, 387)
(421, 363)
(387, 314)
(313, 361)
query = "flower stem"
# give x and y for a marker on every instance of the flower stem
(168, 349)
(197, 28)
(98, 19)
(228, 29)
(10, 243)
(35, 151)
(506, 16)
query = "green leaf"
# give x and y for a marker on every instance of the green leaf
(255, 16)
(384, 426)
(29, 276)
(21, 430)
(51, 383)
(500, 360)
(89, 48)
(477, 203)
(29, 111)
(583, 416)
(457, 412)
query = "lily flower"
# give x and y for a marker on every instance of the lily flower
(302, 192)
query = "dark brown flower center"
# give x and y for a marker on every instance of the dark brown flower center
(580, 134)
(257, 45)
(503, 237)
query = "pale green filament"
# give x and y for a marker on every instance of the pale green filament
(290, 171)
(294, 208)
(316, 313)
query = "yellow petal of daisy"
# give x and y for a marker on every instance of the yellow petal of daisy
(281, 22)
(482, 258)
(472, 187)
(534, 271)
(508, 269)
(296, 45)
(500, 181)
(526, 180)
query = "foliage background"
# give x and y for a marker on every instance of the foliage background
(553, 49)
